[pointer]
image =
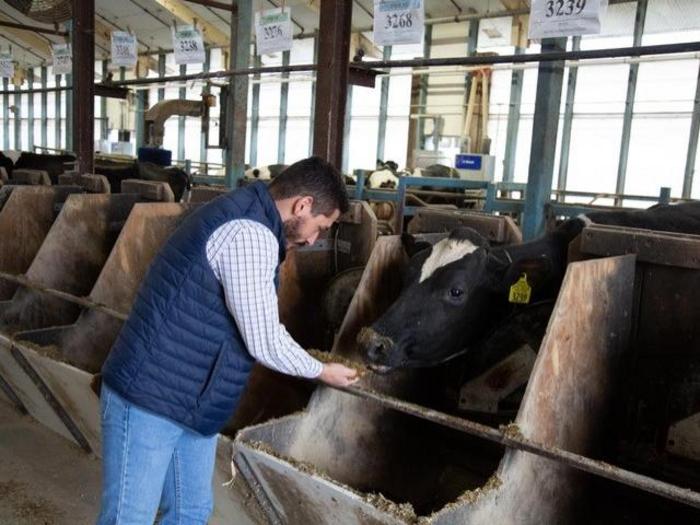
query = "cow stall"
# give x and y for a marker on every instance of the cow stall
(378, 453)
(57, 332)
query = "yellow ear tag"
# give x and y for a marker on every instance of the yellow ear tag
(520, 291)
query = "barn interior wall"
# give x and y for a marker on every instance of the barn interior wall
(660, 127)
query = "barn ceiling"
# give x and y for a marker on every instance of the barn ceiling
(151, 20)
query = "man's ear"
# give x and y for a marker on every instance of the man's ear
(303, 204)
(412, 246)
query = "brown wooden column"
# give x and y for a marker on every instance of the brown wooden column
(332, 79)
(83, 44)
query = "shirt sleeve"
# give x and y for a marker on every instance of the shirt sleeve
(245, 260)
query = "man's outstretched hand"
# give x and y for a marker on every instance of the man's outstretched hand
(335, 374)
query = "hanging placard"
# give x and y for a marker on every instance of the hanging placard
(123, 49)
(398, 22)
(188, 45)
(273, 30)
(7, 65)
(555, 18)
(62, 59)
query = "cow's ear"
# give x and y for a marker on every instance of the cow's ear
(464, 233)
(537, 271)
(411, 245)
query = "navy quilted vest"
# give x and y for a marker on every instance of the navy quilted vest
(180, 354)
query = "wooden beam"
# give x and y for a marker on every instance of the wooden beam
(520, 23)
(103, 37)
(33, 41)
(512, 5)
(184, 13)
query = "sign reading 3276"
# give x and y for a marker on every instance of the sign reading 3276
(273, 31)
(398, 22)
(555, 18)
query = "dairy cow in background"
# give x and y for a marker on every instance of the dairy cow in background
(267, 172)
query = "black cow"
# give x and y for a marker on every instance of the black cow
(456, 292)
(117, 171)
(54, 165)
(6, 162)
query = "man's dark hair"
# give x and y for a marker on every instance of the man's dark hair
(313, 177)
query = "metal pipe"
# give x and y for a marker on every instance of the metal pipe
(283, 116)
(568, 121)
(161, 74)
(423, 90)
(181, 119)
(18, 121)
(591, 54)
(635, 51)
(254, 116)
(519, 442)
(347, 128)
(513, 127)
(30, 111)
(692, 144)
(104, 123)
(35, 90)
(383, 109)
(44, 108)
(312, 110)
(204, 127)
(80, 301)
(35, 29)
(6, 114)
(57, 114)
(544, 141)
(639, 20)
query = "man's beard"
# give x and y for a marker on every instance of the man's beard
(291, 231)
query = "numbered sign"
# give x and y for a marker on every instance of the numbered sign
(188, 45)
(7, 66)
(62, 59)
(398, 22)
(123, 49)
(555, 18)
(273, 30)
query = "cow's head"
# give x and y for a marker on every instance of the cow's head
(454, 292)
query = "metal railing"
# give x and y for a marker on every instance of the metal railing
(496, 196)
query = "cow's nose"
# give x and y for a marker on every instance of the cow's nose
(377, 350)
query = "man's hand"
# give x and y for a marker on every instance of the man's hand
(335, 374)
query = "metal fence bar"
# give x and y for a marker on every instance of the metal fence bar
(81, 301)
(518, 442)
(640, 18)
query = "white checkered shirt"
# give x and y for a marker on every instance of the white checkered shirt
(244, 255)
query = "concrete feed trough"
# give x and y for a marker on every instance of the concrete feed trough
(338, 455)
(100, 247)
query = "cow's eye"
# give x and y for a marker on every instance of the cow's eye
(456, 292)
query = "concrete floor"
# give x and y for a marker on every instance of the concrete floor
(44, 479)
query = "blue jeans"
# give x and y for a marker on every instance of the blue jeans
(150, 462)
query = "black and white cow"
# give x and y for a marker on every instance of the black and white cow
(385, 176)
(456, 292)
(267, 172)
